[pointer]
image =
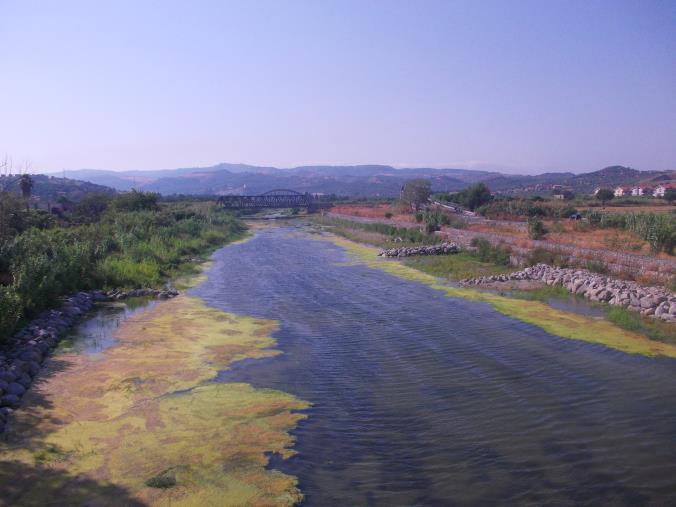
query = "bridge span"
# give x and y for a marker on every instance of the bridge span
(279, 198)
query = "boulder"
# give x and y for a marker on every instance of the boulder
(15, 389)
(10, 400)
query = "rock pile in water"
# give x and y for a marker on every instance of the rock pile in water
(443, 248)
(22, 355)
(656, 302)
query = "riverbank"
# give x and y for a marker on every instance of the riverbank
(567, 247)
(630, 339)
(142, 422)
(131, 241)
(23, 354)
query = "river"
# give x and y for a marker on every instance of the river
(423, 399)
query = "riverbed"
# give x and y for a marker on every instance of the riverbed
(422, 399)
(296, 372)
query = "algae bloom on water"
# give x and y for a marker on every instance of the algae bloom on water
(556, 322)
(145, 417)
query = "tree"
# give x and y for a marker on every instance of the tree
(10, 219)
(136, 201)
(473, 196)
(604, 195)
(416, 192)
(26, 184)
(91, 207)
(670, 195)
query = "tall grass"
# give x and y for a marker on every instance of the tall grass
(633, 321)
(406, 234)
(658, 229)
(130, 249)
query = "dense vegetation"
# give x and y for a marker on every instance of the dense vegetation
(658, 229)
(129, 240)
(472, 197)
(404, 234)
(416, 192)
(521, 207)
(435, 219)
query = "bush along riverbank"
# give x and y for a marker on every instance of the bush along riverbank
(656, 302)
(108, 249)
(132, 241)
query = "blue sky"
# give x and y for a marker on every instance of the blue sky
(523, 85)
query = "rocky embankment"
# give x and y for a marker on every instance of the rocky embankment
(442, 249)
(22, 355)
(655, 302)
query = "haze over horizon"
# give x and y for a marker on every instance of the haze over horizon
(521, 88)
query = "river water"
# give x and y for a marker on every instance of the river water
(422, 399)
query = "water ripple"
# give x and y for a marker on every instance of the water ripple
(420, 399)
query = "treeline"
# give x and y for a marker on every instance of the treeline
(130, 240)
(511, 208)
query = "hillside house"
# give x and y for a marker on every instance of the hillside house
(660, 190)
(622, 191)
(638, 191)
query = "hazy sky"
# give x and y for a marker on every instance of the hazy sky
(533, 85)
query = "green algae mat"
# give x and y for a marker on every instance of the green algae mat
(141, 423)
(553, 321)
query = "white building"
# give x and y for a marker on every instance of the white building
(660, 190)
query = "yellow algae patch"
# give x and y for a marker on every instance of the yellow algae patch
(557, 322)
(566, 324)
(145, 413)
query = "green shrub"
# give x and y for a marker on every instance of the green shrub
(536, 228)
(486, 252)
(10, 310)
(544, 256)
(472, 197)
(165, 480)
(388, 215)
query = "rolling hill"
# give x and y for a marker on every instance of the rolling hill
(355, 181)
(49, 189)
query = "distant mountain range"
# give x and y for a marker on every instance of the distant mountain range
(355, 181)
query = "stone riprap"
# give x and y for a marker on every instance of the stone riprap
(22, 355)
(656, 302)
(442, 249)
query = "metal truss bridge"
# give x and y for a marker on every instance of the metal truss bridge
(279, 198)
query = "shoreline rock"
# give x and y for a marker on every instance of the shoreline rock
(655, 302)
(22, 355)
(441, 249)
